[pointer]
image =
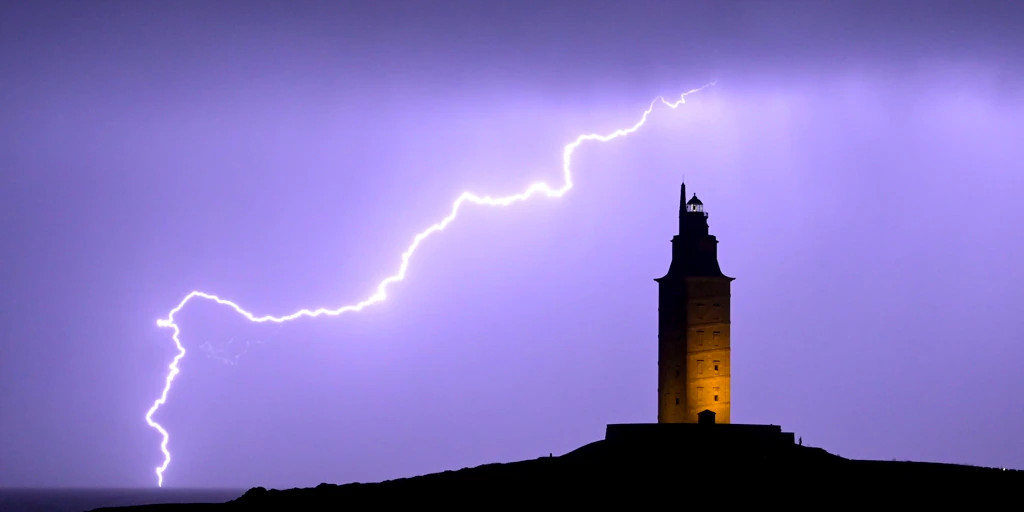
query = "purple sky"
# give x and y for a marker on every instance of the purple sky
(862, 163)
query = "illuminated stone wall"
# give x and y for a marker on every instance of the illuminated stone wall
(694, 345)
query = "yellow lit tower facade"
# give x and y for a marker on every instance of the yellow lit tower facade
(693, 323)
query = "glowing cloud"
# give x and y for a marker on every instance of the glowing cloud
(381, 293)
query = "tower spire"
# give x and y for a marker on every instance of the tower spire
(682, 206)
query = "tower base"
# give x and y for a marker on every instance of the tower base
(719, 440)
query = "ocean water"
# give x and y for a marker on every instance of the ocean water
(81, 500)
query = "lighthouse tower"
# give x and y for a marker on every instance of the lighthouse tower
(693, 323)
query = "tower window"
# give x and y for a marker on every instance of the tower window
(700, 367)
(716, 394)
(677, 372)
(677, 401)
(716, 367)
(700, 338)
(700, 394)
(716, 398)
(714, 338)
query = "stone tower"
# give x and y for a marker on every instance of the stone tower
(693, 323)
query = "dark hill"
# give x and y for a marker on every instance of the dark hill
(644, 477)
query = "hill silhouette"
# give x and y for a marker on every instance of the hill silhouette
(622, 474)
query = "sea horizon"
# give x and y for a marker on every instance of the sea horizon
(81, 499)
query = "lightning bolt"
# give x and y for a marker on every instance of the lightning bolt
(381, 293)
